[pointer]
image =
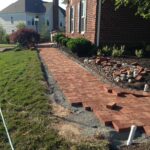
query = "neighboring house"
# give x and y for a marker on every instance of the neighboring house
(98, 21)
(34, 13)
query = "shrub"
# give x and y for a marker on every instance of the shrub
(139, 53)
(3, 36)
(60, 39)
(20, 25)
(147, 51)
(82, 47)
(25, 37)
(65, 41)
(57, 36)
(105, 51)
(44, 34)
(118, 52)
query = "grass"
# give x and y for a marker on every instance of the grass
(7, 45)
(24, 102)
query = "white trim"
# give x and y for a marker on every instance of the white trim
(83, 16)
(72, 20)
(69, 30)
(99, 23)
(78, 29)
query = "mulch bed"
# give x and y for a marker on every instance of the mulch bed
(106, 73)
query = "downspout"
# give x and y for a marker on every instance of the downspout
(98, 23)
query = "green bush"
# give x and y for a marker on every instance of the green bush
(139, 53)
(44, 33)
(118, 52)
(65, 41)
(4, 38)
(60, 39)
(82, 47)
(147, 50)
(57, 36)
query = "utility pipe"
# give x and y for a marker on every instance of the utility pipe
(4, 123)
(131, 135)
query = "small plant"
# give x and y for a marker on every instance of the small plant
(139, 53)
(147, 51)
(118, 52)
(105, 51)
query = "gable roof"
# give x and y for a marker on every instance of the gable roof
(62, 11)
(33, 6)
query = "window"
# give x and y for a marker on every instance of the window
(72, 19)
(12, 20)
(60, 24)
(29, 23)
(47, 22)
(82, 21)
(32, 21)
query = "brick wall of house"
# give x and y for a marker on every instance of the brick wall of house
(90, 20)
(122, 26)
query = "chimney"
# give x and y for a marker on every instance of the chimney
(55, 14)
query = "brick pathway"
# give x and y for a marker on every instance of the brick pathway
(112, 106)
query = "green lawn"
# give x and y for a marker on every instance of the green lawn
(7, 45)
(24, 102)
(25, 106)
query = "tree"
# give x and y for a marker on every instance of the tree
(44, 33)
(2, 35)
(20, 25)
(142, 6)
(25, 37)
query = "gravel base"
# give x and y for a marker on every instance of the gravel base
(89, 124)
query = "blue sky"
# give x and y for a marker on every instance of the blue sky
(5, 3)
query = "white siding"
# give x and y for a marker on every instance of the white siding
(30, 16)
(5, 21)
(49, 15)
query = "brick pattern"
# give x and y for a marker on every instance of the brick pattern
(81, 87)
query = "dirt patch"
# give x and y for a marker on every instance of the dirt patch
(60, 111)
(69, 131)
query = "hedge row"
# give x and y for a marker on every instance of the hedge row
(80, 46)
(84, 48)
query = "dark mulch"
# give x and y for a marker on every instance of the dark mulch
(107, 77)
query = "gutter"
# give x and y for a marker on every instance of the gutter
(98, 23)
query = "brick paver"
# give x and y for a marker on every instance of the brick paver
(81, 87)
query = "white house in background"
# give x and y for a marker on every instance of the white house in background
(34, 13)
